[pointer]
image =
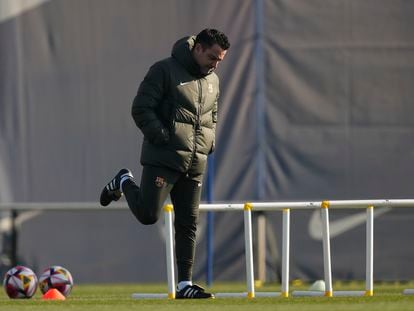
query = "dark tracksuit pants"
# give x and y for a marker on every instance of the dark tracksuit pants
(146, 202)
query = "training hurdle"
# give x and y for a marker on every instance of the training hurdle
(369, 290)
(247, 210)
(285, 207)
(369, 205)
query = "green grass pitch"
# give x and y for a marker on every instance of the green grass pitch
(387, 296)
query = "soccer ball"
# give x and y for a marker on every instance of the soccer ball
(56, 277)
(20, 282)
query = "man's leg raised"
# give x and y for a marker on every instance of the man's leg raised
(146, 201)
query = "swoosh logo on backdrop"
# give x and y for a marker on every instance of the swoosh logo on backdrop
(13, 8)
(340, 226)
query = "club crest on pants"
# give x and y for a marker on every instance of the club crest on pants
(159, 181)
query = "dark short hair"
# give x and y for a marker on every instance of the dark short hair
(208, 37)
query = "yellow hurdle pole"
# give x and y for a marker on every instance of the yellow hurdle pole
(248, 239)
(285, 252)
(326, 249)
(369, 286)
(169, 248)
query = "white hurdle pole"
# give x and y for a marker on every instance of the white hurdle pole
(169, 252)
(285, 252)
(369, 286)
(326, 248)
(249, 249)
(169, 249)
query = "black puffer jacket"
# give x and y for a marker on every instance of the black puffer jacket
(176, 110)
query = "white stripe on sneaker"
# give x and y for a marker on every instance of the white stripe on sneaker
(187, 292)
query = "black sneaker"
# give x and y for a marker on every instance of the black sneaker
(193, 291)
(112, 191)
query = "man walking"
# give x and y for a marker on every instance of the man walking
(176, 110)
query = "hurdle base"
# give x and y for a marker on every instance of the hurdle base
(149, 296)
(217, 295)
(245, 295)
(298, 293)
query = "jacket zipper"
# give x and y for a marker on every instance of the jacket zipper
(197, 125)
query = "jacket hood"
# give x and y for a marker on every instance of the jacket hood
(181, 51)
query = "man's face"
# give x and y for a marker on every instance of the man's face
(208, 58)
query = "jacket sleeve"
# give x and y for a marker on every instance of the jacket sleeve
(214, 118)
(214, 112)
(149, 96)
